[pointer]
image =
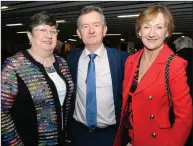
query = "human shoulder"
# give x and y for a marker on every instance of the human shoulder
(178, 62)
(13, 61)
(177, 67)
(15, 57)
(122, 53)
(72, 52)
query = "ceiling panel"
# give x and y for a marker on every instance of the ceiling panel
(21, 11)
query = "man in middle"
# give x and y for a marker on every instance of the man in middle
(98, 74)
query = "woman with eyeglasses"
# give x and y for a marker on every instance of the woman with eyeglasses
(36, 90)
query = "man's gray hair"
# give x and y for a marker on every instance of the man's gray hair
(88, 9)
(183, 42)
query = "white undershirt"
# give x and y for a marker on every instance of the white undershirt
(60, 86)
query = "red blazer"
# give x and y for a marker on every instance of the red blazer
(150, 99)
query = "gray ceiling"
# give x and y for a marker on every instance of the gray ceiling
(21, 11)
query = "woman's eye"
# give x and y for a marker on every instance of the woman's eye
(159, 27)
(146, 26)
(43, 30)
(53, 31)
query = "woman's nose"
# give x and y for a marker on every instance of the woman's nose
(152, 32)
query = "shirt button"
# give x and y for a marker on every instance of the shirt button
(152, 116)
(153, 135)
(150, 97)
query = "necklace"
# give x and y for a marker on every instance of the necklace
(46, 62)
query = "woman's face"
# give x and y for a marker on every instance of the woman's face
(154, 32)
(43, 37)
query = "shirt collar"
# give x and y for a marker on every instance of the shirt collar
(99, 52)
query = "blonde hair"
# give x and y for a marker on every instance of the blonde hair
(151, 13)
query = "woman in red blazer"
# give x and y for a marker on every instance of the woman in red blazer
(145, 108)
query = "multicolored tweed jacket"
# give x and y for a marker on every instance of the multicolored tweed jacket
(31, 113)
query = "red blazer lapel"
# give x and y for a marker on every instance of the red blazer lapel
(149, 78)
(131, 66)
(154, 71)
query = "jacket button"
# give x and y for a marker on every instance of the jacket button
(150, 97)
(153, 135)
(152, 117)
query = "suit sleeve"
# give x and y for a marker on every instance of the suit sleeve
(126, 70)
(68, 59)
(9, 91)
(124, 57)
(182, 103)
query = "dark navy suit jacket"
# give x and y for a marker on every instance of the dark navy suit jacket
(116, 62)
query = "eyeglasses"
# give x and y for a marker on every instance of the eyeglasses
(45, 31)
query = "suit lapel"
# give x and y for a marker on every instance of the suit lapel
(112, 57)
(130, 73)
(154, 71)
(76, 61)
(149, 78)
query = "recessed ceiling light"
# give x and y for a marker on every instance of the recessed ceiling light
(72, 40)
(177, 33)
(106, 34)
(60, 21)
(4, 7)
(16, 24)
(112, 34)
(22, 32)
(122, 39)
(128, 16)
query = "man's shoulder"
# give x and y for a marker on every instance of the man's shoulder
(124, 53)
(112, 49)
(74, 52)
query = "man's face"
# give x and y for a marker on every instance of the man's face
(92, 30)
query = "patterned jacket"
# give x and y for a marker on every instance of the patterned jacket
(31, 113)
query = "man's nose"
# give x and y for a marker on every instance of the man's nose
(91, 29)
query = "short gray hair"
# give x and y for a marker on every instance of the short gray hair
(183, 42)
(88, 9)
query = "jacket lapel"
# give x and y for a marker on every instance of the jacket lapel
(76, 61)
(113, 68)
(154, 71)
(130, 73)
(149, 78)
